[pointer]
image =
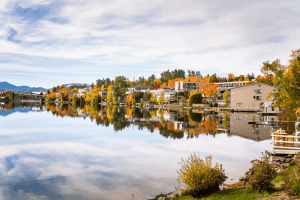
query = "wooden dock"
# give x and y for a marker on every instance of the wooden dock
(285, 144)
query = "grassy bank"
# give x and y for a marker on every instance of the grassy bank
(243, 193)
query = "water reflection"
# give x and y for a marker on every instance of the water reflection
(51, 152)
(171, 124)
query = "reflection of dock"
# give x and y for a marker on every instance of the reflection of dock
(285, 144)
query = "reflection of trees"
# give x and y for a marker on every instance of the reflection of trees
(209, 126)
(120, 118)
(194, 117)
(225, 119)
(116, 116)
(168, 132)
(8, 106)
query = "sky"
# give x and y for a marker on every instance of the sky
(52, 42)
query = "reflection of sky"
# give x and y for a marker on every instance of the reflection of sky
(43, 156)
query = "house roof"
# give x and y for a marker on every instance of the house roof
(251, 85)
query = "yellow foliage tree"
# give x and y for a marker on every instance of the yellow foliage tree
(164, 85)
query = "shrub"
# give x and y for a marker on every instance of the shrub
(216, 104)
(195, 99)
(261, 174)
(199, 176)
(210, 104)
(291, 182)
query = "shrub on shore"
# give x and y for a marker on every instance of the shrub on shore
(199, 176)
(292, 178)
(260, 175)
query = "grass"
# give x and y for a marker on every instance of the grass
(229, 194)
(278, 180)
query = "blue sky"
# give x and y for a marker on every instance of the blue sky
(49, 42)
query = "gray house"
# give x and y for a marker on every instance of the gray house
(251, 97)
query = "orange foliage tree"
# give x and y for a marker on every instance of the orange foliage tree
(211, 90)
(130, 99)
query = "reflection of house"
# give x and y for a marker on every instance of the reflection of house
(184, 126)
(250, 97)
(239, 126)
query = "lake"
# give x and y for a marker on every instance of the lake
(71, 152)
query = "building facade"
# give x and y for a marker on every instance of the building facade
(183, 85)
(250, 97)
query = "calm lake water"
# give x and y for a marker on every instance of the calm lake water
(67, 152)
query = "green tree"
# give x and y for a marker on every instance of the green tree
(74, 98)
(138, 96)
(287, 81)
(119, 88)
(98, 99)
(195, 99)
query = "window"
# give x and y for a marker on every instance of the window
(257, 126)
(256, 132)
(239, 117)
(258, 91)
(258, 97)
(254, 97)
(239, 105)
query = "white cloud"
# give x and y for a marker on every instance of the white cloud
(226, 36)
(12, 67)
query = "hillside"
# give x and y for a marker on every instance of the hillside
(14, 88)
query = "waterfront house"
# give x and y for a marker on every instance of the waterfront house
(83, 91)
(250, 97)
(2, 95)
(184, 85)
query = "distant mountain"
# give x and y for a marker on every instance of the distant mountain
(70, 84)
(13, 88)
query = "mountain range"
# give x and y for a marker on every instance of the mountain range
(8, 86)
